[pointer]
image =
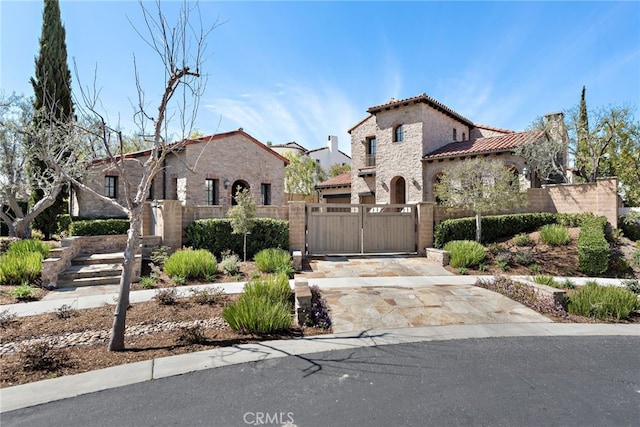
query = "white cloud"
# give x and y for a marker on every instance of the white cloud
(289, 112)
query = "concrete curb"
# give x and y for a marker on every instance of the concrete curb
(23, 396)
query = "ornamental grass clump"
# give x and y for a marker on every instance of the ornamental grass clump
(191, 264)
(16, 269)
(263, 308)
(554, 235)
(465, 253)
(274, 260)
(603, 302)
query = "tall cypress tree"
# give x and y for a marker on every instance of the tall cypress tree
(52, 90)
(582, 149)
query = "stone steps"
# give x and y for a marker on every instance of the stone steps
(95, 269)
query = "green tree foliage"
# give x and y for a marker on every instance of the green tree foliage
(480, 185)
(243, 216)
(338, 169)
(52, 90)
(301, 174)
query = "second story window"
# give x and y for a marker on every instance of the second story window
(371, 151)
(455, 134)
(211, 188)
(111, 186)
(398, 133)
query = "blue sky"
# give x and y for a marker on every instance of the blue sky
(299, 71)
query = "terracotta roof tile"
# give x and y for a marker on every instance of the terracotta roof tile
(342, 180)
(494, 144)
(422, 98)
(493, 128)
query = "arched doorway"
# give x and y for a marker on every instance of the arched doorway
(238, 185)
(398, 191)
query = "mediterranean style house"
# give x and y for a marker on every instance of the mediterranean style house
(324, 156)
(203, 171)
(401, 147)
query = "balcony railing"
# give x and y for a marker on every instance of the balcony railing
(370, 160)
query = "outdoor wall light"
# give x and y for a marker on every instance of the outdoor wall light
(225, 183)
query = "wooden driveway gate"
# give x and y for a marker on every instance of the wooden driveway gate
(336, 228)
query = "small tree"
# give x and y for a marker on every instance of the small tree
(242, 216)
(482, 186)
(301, 174)
(338, 169)
(19, 139)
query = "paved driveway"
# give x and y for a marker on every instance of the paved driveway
(396, 292)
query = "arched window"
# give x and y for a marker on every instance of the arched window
(398, 133)
(236, 187)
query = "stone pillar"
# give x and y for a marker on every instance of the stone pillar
(297, 227)
(425, 212)
(607, 197)
(168, 216)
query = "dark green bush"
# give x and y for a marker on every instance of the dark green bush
(574, 219)
(493, 227)
(629, 227)
(215, 235)
(99, 227)
(593, 248)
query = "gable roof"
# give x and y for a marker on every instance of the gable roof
(342, 180)
(291, 144)
(493, 128)
(190, 141)
(423, 98)
(492, 144)
(315, 150)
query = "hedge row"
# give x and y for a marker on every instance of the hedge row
(593, 248)
(99, 227)
(216, 235)
(493, 227)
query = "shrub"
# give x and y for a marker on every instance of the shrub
(257, 315)
(632, 285)
(630, 225)
(216, 236)
(192, 335)
(16, 269)
(465, 253)
(636, 258)
(6, 242)
(230, 264)
(207, 295)
(554, 235)
(535, 268)
(167, 296)
(493, 227)
(542, 279)
(274, 288)
(574, 219)
(65, 311)
(43, 356)
(99, 227)
(318, 315)
(522, 239)
(159, 255)
(274, 261)
(593, 248)
(525, 257)
(191, 264)
(147, 282)
(602, 302)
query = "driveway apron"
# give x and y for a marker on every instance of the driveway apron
(376, 292)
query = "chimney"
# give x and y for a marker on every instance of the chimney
(333, 144)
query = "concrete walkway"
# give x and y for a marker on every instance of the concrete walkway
(374, 301)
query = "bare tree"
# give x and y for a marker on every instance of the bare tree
(180, 48)
(480, 185)
(19, 139)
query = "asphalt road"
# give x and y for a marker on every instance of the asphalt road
(537, 381)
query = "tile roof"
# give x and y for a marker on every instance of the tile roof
(342, 180)
(493, 144)
(493, 128)
(422, 98)
(180, 144)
